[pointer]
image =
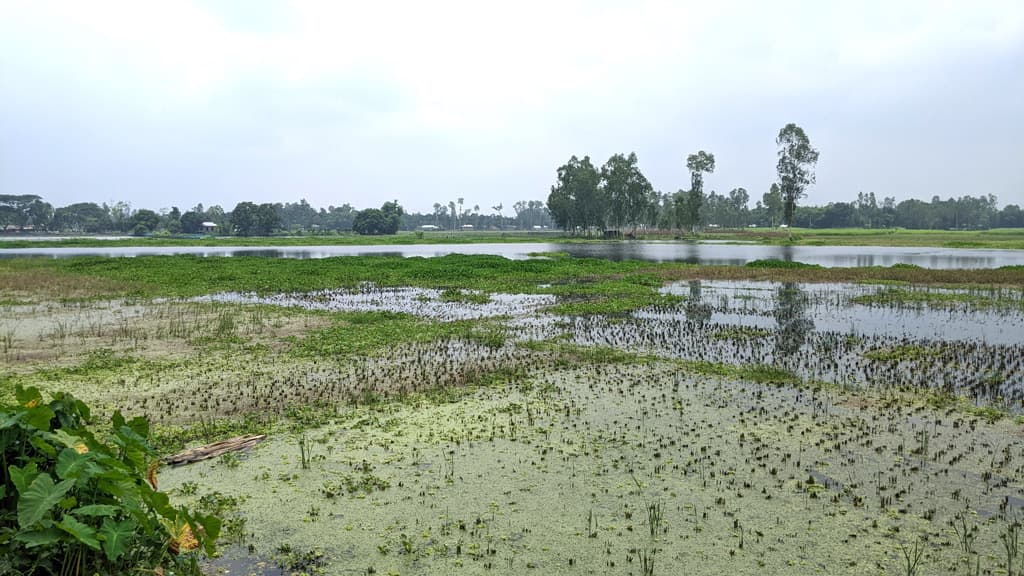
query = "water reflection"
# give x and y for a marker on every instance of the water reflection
(792, 319)
(698, 312)
(684, 252)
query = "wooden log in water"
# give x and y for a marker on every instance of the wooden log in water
(215, 449)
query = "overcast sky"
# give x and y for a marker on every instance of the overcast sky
(179, 102)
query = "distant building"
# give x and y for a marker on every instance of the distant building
(429, 227)
(210, 227)
(467, 226)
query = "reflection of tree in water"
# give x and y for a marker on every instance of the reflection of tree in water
(791, 316)
(698, 312)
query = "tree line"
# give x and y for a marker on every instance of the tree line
(30, 213)
(617, 196)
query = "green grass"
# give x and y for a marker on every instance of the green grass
(582, 285)
(184, 275)
(1000, 238)
(464, 297)
(366, 333)
(783, 264)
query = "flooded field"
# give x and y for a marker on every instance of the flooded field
(743, 427)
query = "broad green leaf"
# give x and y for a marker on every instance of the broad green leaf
(8, 420)
(61, 436)
(83, 409)
(28, 396)
(126, 491)
(39, 417)
(82, 532)
(210, 531)
(40, 496)
(43, 446)
(22, 477)
(39, 537)
(158, 501)
(135, 447)
(140, 426)
(74, 466)
(116, 536)
(96, 510)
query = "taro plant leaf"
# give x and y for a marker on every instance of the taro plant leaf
(28, 396)
(82, 532)
(35, 538)
(40, 496)
(74, 466)
(22, 477)
(9, 420)
(43, 446)
(133, 445)
(96, 510)
(128, 495)
(61, 436)
(206, 530)
(140, 426)
(158, 501)
(39, 417)
(116, 537)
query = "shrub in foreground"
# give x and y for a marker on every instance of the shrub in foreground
(75, 501)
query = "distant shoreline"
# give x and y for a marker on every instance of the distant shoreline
(1005, 238)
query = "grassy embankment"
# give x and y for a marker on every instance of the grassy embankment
(1004, 238)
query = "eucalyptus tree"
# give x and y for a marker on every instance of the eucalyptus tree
(626, 189)
(797, 159)
(697, 164)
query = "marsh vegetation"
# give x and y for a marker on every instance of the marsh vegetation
(475, 415)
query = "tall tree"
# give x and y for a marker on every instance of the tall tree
(373, 221)
(576, 201)
(392, 212)
(773, 203)
(245, 219)
(147, 218)
(738, 199)
(797, 159)
(24, 210)
(627, 190)
(697, 164)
